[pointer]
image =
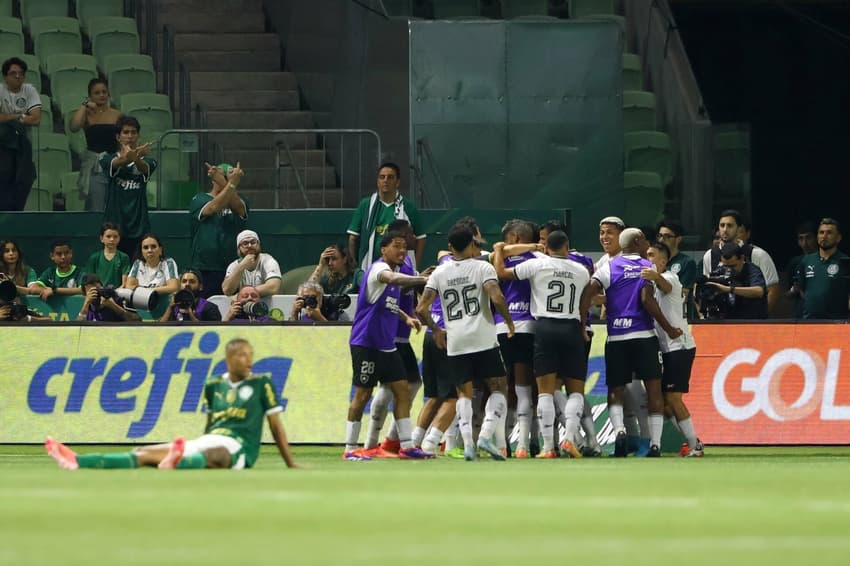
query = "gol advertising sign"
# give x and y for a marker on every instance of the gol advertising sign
(771, 383)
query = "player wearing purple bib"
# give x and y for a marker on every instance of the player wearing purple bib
(374, 356)
(632, 345)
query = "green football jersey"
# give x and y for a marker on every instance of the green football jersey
(214, 237)
(53, 278)
(237, 410)
(127, 197)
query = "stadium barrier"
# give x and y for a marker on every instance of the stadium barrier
(143, 383)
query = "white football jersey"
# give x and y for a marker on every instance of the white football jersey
(671, 306)
(556, 286)
(466, 305)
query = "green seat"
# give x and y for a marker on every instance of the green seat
(52, 158)
(292, 279)
(76, 140)
(53, 35)
(129, 73)
(31, 9)
(11, 35)
(632, 72)
(519, 8)
(87, 10)
(644, 197)
(110, 36)
(38, 200)
(638, 110)
(33, 66)
(649, 151)
(455, 8)
(153, 111)
(68, 184)
(46, 123)
(175, 195)
(6, 8)
(584, 8)
(70, 74)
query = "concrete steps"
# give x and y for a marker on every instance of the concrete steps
(271, 100)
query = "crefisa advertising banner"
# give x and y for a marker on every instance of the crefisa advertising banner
(751, 384)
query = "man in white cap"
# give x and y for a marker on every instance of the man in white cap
(259, 270)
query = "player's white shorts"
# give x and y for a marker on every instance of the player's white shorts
(208, 441)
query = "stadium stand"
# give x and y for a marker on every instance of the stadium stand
(31, 9)
(638, 110)
(55, 35)
(11, 35)
(649, 151)
(112, 36)
(87, 10)
(128, 73)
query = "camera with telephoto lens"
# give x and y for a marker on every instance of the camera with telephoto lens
(714, 303)
(184, 298)
(310, 301)
(334, 305)
(140, 298)
(8, 293)
(255, 309)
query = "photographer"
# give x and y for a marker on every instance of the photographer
(10, 309)
(102, 304)
(188, 304)
(736, 289)
(247, 307)
(311, 304)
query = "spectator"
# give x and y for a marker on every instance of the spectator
(728, 225)
(20, 108)
(246, 307)
(128, 171)
(98, 121)
(188, 303)
(110, 263)
(14, 267)
(252, 268)
(336, 273)
(824, 276)
(152, 269)
(101, 308)
(745, 297)
(808, 243)
(217, 217)
(375, 213)
(61, 279)
(680, 264)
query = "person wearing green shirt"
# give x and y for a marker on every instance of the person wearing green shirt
(111, 264)
(336, 272)
(824, 277)
(235, 403)
(61, 279)
(681, 264)
(128, 171)
(375, 213)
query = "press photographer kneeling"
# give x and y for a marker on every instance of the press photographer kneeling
(312, 305)
(187, 304)
(10, 309)
(735, 290)
(106, 304)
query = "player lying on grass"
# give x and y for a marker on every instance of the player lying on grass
(236, 403)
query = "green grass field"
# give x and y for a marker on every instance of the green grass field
(736, 506)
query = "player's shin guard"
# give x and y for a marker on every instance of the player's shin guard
(615, 413)
(656, 427)
(546, 416)
(494, 412)
(192, 462)
(119, 460)
(573, 412)
(464, 415)
(688, 431)
(523, 415)
(405, 432)
(380, 406)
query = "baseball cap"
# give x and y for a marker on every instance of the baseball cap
(225, 167)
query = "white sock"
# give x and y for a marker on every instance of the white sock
(352, 435)
(500, 436)
(432, 440)
(523, 414)
(639, 408)
(573, 413)
(405, 432)
(380, 404)
(464, 415)
(687, 428)
(546, 416)
(615, 413)
(494, 411)
(589, 427)
(418, 435)
(656, 426)
(672, 420)
(451, 435)
(560, 403)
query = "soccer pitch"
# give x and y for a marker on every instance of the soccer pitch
(735, 506)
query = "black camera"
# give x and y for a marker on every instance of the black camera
(184, 298)
(333, 305)
(18, 311)
(310, 301)
(255, 309)
(714, 303)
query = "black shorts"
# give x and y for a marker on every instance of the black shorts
(559, 348)
(638, 356)
(676, 374)
(370, 366)
(477, 366)
(437, 378)
(408, 358)
(517, 350)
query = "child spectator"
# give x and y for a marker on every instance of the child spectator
(110, 264)
(62, 278)
(14, 267)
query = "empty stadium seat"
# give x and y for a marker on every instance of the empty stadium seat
(129, 73)
(33, 66)
(70, 74)
(46, 123)
(53, 35)
(76, 140)
(518, 8)
(638, 110)
(31, 9)
(51, 156)
(6, 8)
(111, 36)
(632, 72)
(649, 151)
(38, 200)
(68, 184)
(153, 111)
(454, 8)
(584, 8)
(644, 197)
(292, 279)
(11, 35)
(90, 9)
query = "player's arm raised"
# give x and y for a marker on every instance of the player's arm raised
(498, 258)
(498, 300)
(394, 278)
